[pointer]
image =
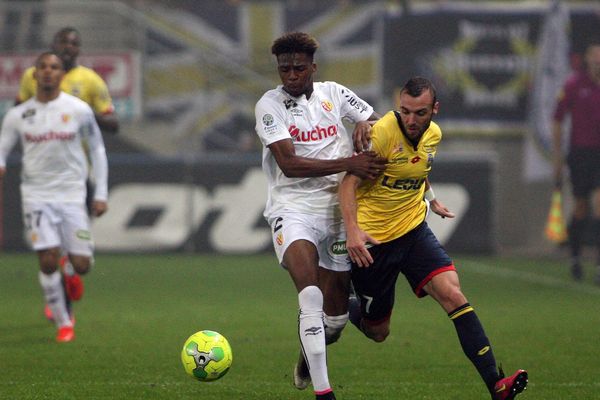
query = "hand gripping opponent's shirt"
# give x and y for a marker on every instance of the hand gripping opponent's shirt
(317, 130)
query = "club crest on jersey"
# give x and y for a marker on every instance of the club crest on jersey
(28, 113)
(415, 159)
(327, 105)
(65, 118)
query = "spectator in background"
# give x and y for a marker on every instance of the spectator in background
(580, 98)
(84, 83)
(51, 128)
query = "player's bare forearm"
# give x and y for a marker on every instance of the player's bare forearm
(365, 165)
(108, 123)
(356, 239)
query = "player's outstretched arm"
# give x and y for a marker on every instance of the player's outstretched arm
(434, 204)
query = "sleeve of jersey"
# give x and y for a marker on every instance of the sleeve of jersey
(354, 108)
(97, 155)
(378, 140)
(270, 122)
(8, 137)
(27, 86)
(101, 101)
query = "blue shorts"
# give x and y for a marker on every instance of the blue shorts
(418, 255)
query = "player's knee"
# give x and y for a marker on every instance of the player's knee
(310, 299)
(377, 333)
(48, 260)
(454, 297)
(334, 325)
(81, 264)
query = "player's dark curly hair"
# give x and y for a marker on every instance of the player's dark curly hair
(416, 85)
(295, 42)
(65, 31)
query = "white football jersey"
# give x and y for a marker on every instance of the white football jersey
(315, 126)
(54, 163)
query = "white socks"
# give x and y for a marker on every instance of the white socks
(334, 325)
(312, 336)
(54, 294)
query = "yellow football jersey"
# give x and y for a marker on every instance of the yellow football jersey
(393, 205)
(80, 82)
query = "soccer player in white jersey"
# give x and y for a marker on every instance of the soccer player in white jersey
(306, 149)
(51, 128)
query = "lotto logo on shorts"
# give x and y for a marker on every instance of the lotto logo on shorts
(339, 248)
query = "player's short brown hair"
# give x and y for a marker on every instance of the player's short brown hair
(416, 85)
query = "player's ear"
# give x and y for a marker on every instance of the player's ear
(436, 107)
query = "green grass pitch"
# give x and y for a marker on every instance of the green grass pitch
(139, 309)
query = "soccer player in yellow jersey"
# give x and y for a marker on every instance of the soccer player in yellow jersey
(78, 81)
(387, 235)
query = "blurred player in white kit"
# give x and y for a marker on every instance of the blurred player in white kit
(52, 128)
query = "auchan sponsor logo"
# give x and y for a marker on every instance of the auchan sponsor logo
(314, 135)
(48, 136)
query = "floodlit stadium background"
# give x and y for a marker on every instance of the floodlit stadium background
(185, 75)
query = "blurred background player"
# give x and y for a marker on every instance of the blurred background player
(387, 234)
(86, 84)
(52, 127)
(580, 98)
(78, 81)
(306, 146)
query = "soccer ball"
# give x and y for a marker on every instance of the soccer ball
(206, 356)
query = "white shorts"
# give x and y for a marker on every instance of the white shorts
(327, 234)
(64, 225)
